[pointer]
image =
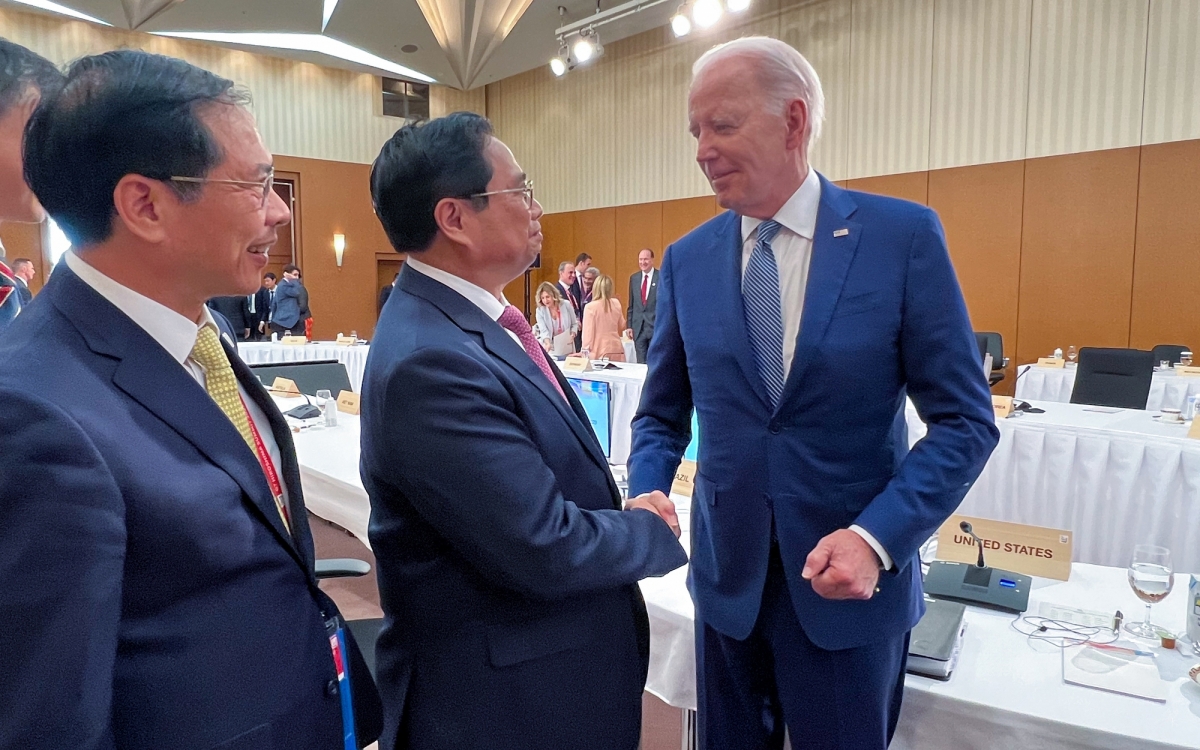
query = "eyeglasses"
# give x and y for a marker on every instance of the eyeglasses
(264, 185)
(527, 189)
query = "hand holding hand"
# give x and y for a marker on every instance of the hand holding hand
(658, 504)
(843, 566)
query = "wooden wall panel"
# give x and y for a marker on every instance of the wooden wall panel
(980, 208)
(638, 226)
(558, 243)
(1167, 257)
(25, 241)
(1077, 251)
(596, 235)
(334, 198)
(911, 186)
(684, 215)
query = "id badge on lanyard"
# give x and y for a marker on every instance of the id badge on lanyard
(335, 629)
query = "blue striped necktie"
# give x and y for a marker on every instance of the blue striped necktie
(764, 314)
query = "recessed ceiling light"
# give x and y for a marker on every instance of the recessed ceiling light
(409, 48)
(61, 9)
(327, 12)
(305, 43)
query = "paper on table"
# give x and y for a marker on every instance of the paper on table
(1103, 409)
(1114, 672)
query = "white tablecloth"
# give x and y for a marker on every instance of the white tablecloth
(1003, 688)
(1115, 479)
(1051, 384)
(1006, 693)
(266, 352)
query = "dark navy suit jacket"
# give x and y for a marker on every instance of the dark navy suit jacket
(883, 317)
(507, 570)
(155, 599)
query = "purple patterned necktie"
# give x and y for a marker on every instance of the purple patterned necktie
(512, 320)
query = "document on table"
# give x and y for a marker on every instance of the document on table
(1104, 409)
(1113, 671)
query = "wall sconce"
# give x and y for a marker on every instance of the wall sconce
(339, 247)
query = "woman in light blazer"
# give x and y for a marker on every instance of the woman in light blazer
(556, 322)
(603, 322)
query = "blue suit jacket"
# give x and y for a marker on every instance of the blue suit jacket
(155, 598)
(285, 309)
(507, 570)
(883, 315)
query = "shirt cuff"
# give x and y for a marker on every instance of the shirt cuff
(884, 557)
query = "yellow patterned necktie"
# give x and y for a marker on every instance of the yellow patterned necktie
(222, 386)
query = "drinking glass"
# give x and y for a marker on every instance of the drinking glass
(323, 397)
(1151, 578)
(1071, 354)
(1164, 364)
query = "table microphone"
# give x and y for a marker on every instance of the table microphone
(966, 528)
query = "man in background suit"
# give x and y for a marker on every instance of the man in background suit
(795, 324)
(285, 308)
(643, 297)
(583, 262)
(262, 305)
(22, 271)
(153, 535)
(507, 569)
(24, 78)
(236, 310)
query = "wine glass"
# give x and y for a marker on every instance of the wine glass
(1151, 579)
(323, 397)
(1072, 354)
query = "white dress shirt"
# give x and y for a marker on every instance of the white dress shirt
(792, 247)
(177, 335)
(476, 295)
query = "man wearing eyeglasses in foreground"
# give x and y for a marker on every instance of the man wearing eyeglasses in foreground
(507, 569)
(154, 546)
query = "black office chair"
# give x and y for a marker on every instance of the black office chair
(309, 377)
(1168, 353)
(1113, 377)
(990, 342)
(365, 632)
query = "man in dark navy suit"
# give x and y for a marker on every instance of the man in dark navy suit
(507, 569)
(154, 548)
(795, 324)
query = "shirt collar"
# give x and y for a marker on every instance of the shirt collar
(798, 215)
(172, 331)
(476, 295)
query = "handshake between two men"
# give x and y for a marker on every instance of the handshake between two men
(842, 565)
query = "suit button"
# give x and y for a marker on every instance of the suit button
(331, 688)
(774, 428)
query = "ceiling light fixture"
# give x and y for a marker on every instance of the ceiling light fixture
(560, 63)
(587, 46)
(707, 12)
(681, 25)
(736, 6)
(303, 43)
(61, 10)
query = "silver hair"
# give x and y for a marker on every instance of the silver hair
(592, 272)
(784, 73)
(563, 266)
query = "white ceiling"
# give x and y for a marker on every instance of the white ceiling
(482, 43)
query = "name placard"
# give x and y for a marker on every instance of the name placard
(1053, 362)
(283, 385)
(1002, 406)
(685, 478)
(348, 402)
(1191, 371)
(293, 340)
(1033, 550)
(346, 340)
(577, 364)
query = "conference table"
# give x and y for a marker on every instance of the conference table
(271, 352)
(1004, 686)
(1167, 388)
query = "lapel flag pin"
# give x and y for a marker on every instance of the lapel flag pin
(841, 232)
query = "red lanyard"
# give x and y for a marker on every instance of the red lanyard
(268, 467)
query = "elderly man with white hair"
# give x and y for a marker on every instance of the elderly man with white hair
(795, 324)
